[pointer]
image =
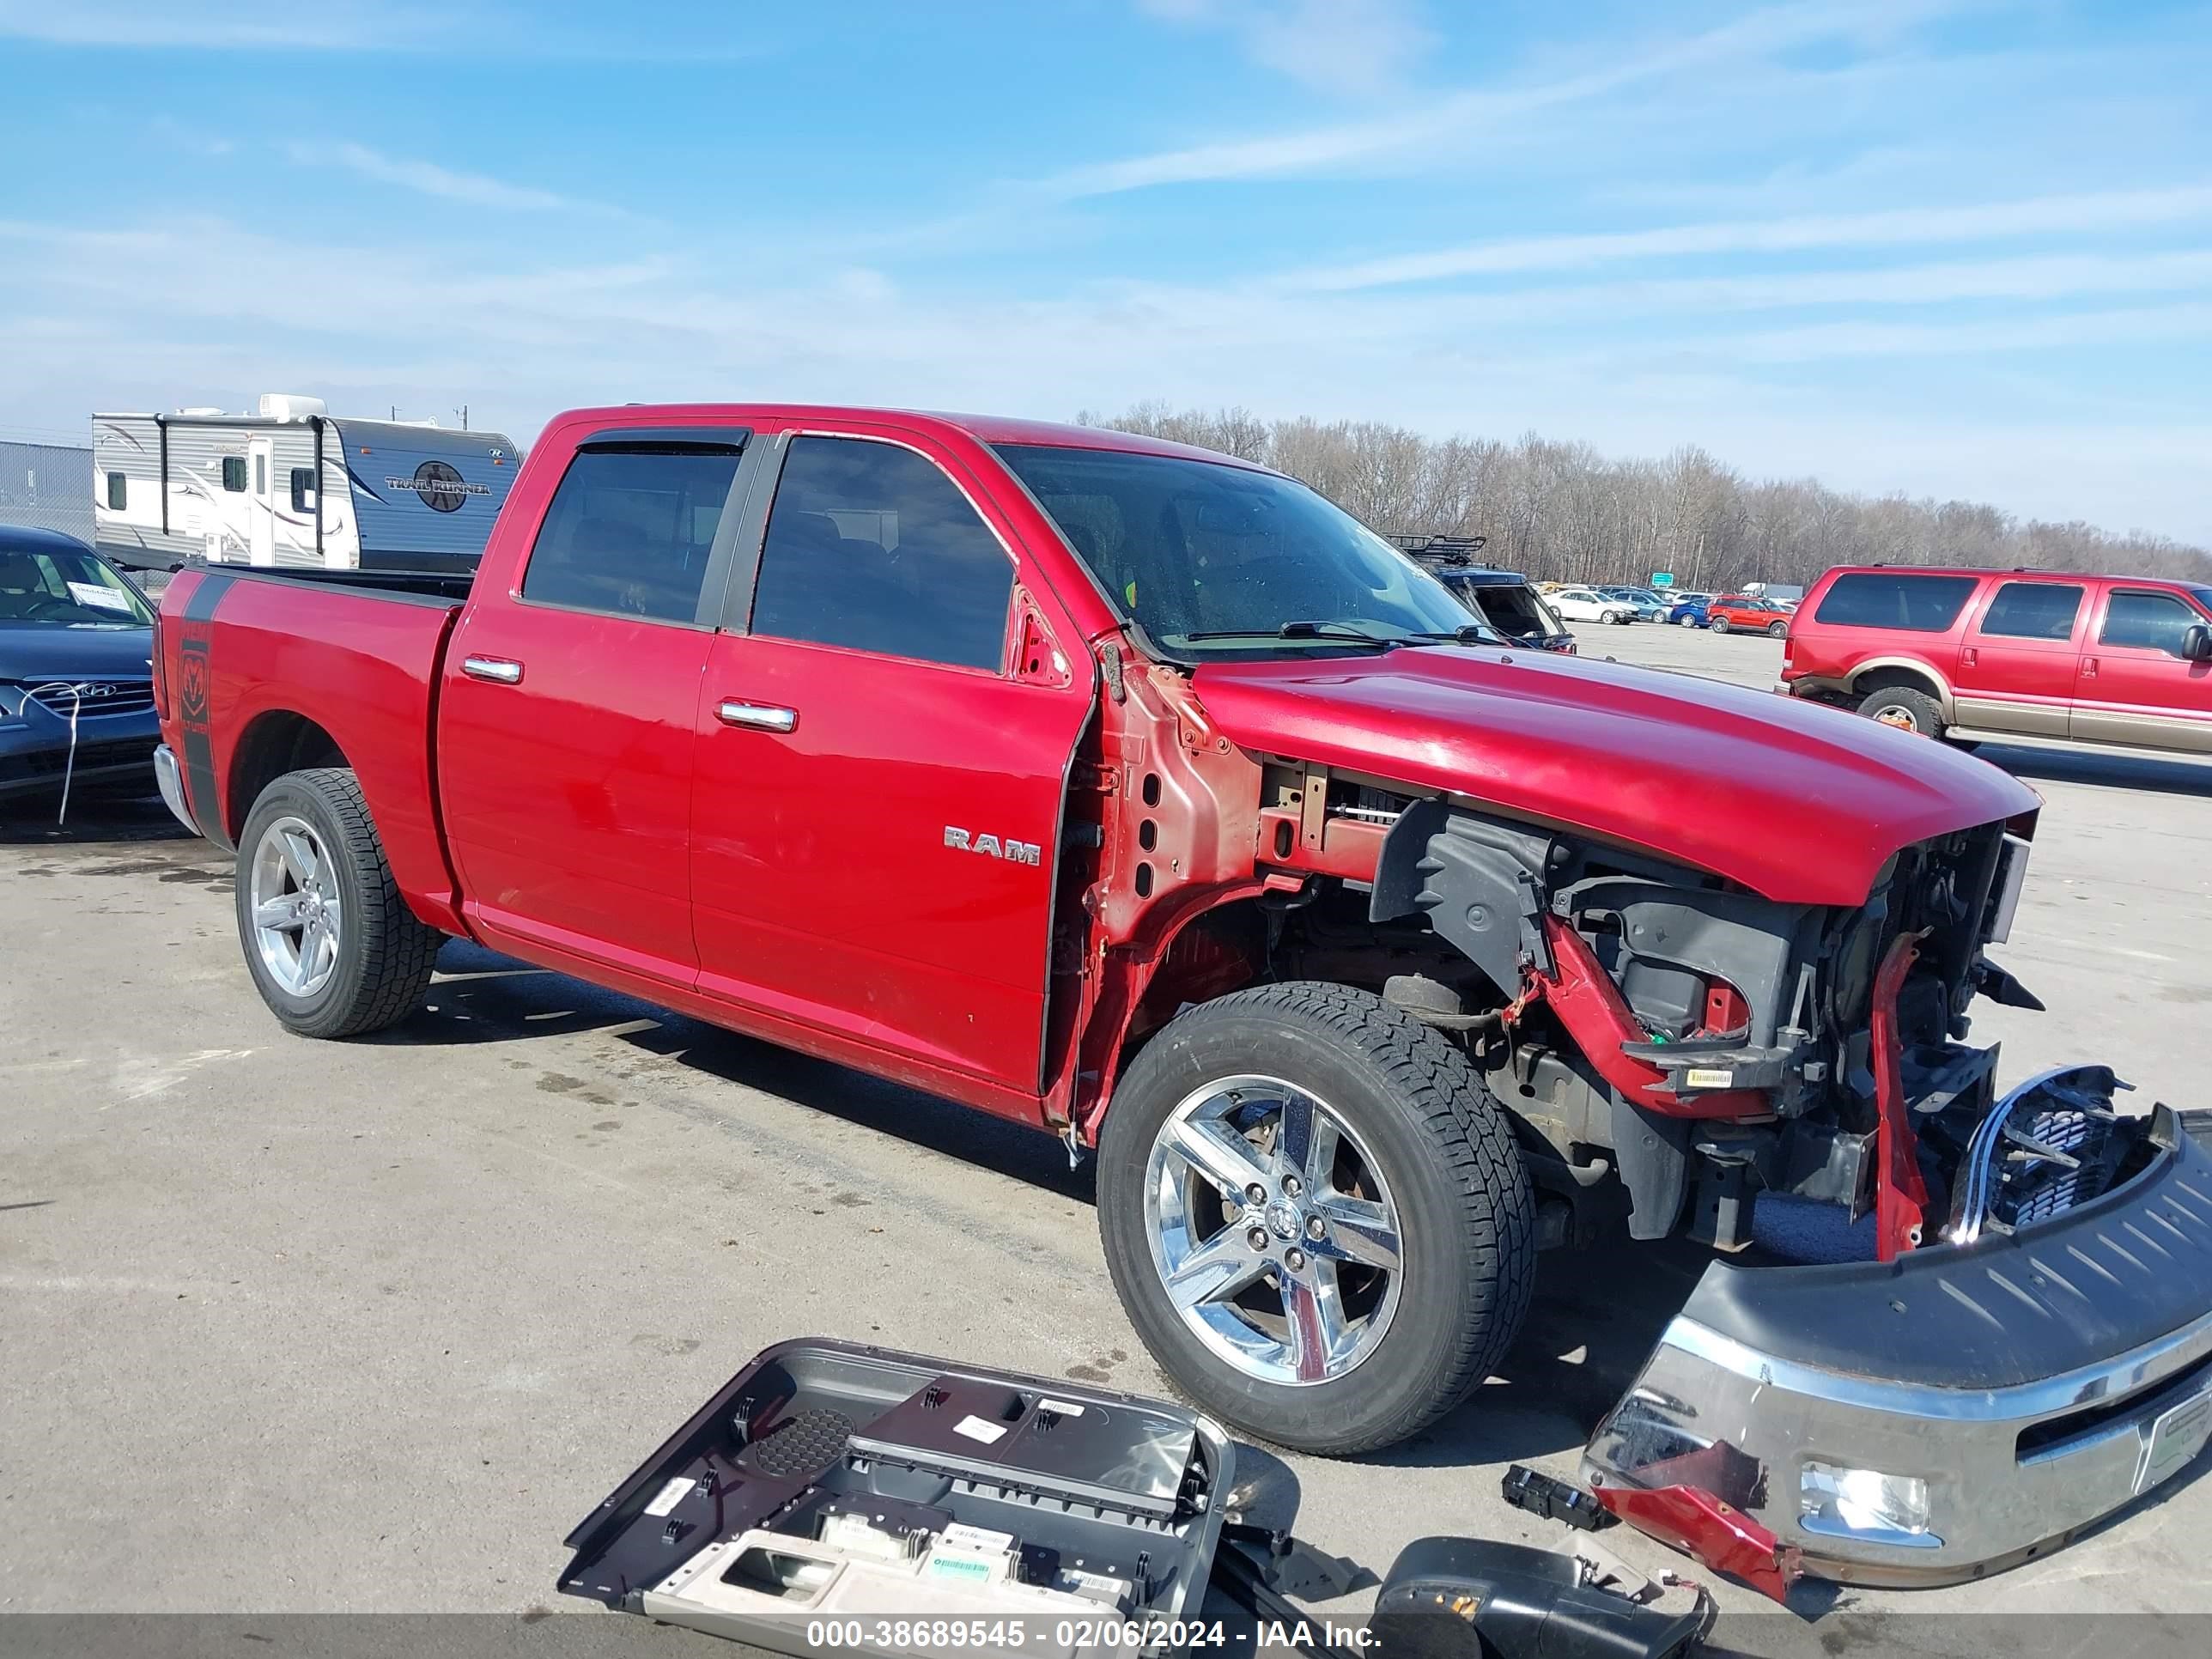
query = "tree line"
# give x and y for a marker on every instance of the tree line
(1563, 512)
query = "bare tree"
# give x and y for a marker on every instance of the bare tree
(1562, 510)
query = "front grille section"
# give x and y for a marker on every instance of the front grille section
(2051, 1144)
(2061, 1156)
(93, 698)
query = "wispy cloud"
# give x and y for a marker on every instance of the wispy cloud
(1358, 46)
(521, 338)
(327, 25)
(507, 29)
(198, 140)
(1891, 228)
(1460, 121)
(429, 179)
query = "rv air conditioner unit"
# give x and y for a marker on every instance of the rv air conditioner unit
(290, 406)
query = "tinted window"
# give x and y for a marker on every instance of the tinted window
(233, 474)
(303, 486)
(118, 491)
(1891, 598)
(871, 547)
(629, 531)
(261, 475)
(2033, 610)
(2156, 621)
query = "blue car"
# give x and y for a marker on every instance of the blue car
(76, 649)
(1688, 611)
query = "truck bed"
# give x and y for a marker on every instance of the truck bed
(441, 585)
(270, 671)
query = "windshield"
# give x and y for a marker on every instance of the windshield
(68, 589)
(1188, 548)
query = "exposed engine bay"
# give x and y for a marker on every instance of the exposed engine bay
(1732, 1059)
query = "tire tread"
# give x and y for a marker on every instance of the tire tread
(1471, 1137)
(398, 949)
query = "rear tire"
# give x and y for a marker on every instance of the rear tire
(1411, 1150)
(1905, 709)
(332, 947)
(1686, 620)
(1722, 625)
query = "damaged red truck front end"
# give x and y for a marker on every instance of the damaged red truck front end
(1139, 795)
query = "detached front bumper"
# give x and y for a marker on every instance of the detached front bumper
(1954, 1412)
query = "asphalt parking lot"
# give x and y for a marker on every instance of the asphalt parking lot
(307, 1327)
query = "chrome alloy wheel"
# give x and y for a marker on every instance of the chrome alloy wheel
(1273, 1231)
(296, 913)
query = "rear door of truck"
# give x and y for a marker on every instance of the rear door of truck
(566, 724)
(884, 740)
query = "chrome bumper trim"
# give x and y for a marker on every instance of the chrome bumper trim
(2014, 1465)
(171, 782)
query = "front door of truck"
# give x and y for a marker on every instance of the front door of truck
(2136, 685)
(2016, 666)
(565, 728)
(881, 772)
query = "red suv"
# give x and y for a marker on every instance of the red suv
(1979, 654)
(1747, 613)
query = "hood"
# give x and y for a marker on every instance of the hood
(1798, 802)
(33, 652)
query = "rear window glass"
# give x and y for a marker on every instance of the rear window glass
(630, 531)
(2033, 610)
(1513, 611)
(1892, 599)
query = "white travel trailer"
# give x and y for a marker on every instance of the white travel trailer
(295, 485)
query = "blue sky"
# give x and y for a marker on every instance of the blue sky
(1957, 247)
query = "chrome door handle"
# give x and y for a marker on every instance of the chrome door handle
(759, 715)
(498, 670)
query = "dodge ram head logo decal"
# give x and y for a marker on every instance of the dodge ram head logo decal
(191, 675)
(991, 846)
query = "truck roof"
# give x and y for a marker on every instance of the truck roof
(2019, 570)
(982, 429)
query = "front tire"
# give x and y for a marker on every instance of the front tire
(1778, 630)
(1315, 1216)
(332, 947)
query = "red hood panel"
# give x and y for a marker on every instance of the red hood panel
(1799, 803)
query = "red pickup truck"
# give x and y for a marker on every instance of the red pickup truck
(1137, 793)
